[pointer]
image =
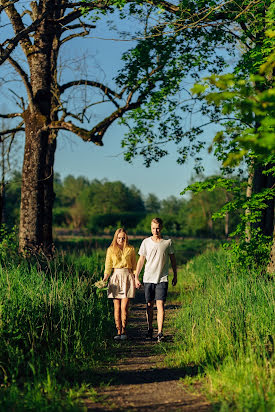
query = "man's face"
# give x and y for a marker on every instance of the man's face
(156, 229)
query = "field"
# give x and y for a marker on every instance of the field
(56, 328)
(225, 332)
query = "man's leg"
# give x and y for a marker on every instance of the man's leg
(149, 314)
(160, 315)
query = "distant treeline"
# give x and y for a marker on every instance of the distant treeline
(100, 206)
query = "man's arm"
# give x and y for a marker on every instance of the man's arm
(140, 264)
(174, 267)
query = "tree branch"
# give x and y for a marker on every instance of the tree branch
(10, 115)
(172, 8)
(73, 36)
(12, 131)
(106, 90)
(96, 134)
(17, 24)
(24, 77)
(9, 3)
(78, 26)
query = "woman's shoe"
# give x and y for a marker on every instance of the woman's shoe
(123, 336)
(117, 337)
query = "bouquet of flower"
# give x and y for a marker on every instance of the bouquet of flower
(100, 284)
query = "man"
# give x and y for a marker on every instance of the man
(156, 251)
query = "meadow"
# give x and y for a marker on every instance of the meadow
(56, 328)
(225, 332)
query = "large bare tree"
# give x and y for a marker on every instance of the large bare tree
(41, 28)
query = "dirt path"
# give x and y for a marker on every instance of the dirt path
(140, 381)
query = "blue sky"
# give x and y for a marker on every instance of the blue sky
(73, 156)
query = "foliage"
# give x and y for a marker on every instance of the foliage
(159, 120)
(96, 204)
(225, 329)
(12, 199)
(8, 243)
(79, 204)
(252, 249)
(109, 222)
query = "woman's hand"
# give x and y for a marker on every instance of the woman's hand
(137, 283)
(105, 278)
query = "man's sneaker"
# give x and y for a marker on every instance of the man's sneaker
(149, 334)
(160, 337)
(123, 336)
(117, 337)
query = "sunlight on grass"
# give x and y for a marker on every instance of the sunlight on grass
(225, 329)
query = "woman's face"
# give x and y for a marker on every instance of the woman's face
(120, 239)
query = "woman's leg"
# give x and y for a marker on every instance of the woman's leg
(124, 313)
(117, 315)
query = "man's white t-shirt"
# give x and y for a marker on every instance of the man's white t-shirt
(157, 259)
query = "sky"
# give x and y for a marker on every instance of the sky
(73, 156)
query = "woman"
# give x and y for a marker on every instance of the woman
(122, 258)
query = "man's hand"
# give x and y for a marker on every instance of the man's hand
(138, 284)
(174, 280)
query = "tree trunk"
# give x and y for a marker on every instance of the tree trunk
(263, 181)
(37, 195)
(49, 194)
(248, 196)
(226, 224)
(271, 264)
(32, 191)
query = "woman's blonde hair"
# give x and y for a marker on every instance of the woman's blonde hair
(114, 241)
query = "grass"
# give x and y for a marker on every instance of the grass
(55, 328)
(225, 331)
(185, 249)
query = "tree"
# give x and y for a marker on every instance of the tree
(79, 201)
(152, 204)
(242, 101)
(41, 28)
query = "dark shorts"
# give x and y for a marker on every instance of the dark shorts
(155, 291)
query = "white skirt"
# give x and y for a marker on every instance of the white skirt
(121, 284)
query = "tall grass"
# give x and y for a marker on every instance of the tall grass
(53, 326)
(225, 330)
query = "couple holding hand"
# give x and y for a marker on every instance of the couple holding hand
(121, 265)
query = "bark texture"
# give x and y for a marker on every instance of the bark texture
(271, 264)
(37, 194)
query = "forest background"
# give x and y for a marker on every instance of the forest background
(98, 207)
